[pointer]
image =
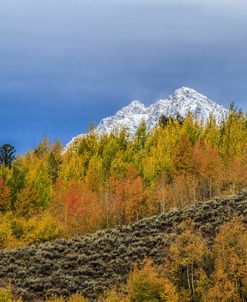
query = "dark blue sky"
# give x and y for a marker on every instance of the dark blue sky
(66, 63)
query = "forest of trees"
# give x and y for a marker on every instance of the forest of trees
(110, 180)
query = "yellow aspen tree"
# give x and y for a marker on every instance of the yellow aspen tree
(146, 285)
(230, 252)
(223, 289)
(185, 257)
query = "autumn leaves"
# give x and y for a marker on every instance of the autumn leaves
(106, 181)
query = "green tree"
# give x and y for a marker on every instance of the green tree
(53, 166)
(42, 148)
(17, 180)
(163, 121)
(7, 155)
(141, 134)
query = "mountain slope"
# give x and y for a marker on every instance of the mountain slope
(183, 101)
(93, 263)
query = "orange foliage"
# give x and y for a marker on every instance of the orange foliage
(231, 254)
(126, 197)
(182, 157)
(208, 168)
(76, 207)
(224, 290)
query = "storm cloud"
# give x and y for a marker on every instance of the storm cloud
(67, 63)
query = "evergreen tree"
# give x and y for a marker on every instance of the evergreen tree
(7, 155)
(163, 121)
(179, 118)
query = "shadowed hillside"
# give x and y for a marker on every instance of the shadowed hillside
(92, 263)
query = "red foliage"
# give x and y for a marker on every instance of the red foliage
(76, 207)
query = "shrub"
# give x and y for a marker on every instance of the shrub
(146, 285)
(113, 296)
(77, 298)
(6, 295)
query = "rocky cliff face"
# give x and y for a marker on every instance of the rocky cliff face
(96, 262)
(182, 101)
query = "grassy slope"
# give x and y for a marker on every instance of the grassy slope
(93, 263)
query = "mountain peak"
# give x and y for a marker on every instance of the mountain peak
(186, 92)
(135, 107)
(135, 103)
(183, 101)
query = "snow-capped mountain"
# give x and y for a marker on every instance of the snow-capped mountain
(183, 101)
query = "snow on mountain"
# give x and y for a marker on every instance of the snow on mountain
(183, 101)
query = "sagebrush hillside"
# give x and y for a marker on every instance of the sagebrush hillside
(93, 263)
